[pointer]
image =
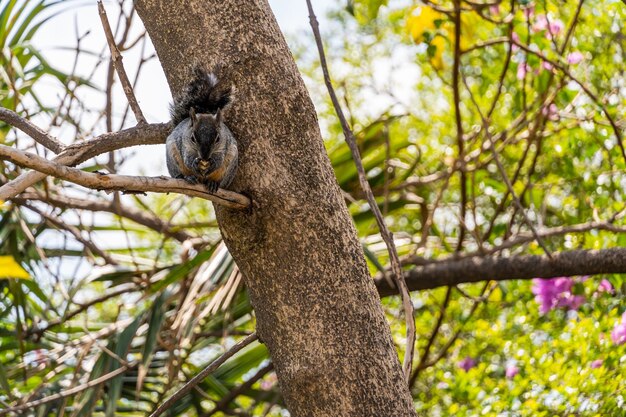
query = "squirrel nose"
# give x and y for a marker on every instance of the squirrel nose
(203, 164)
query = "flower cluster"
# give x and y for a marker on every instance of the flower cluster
(618, 335)
(556, 293)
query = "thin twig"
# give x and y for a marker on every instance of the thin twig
(384, 230)
(131, 184)
(456, 72)
(142, 217)
(557, 65)
(116, 57)
(82, 387)
(433, 335)
(203, 374)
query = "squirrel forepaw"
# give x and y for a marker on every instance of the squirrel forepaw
(191, 179)
(212, 186)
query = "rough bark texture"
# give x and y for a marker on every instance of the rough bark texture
(317, 308)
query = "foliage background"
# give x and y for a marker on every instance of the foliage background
(86, 289)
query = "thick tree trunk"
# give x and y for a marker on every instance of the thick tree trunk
(317, 308)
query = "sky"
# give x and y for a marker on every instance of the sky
(57, 38)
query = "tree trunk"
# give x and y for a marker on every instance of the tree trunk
(317, 308)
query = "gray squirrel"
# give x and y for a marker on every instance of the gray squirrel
(201, 149)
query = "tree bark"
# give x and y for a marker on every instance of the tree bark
(316, 305)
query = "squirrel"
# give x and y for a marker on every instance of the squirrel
(201, 149)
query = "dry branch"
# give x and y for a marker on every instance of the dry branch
(365, 186)
(41, 137)
(116, 57)
(150, 134)
(129, 184)
(476, 269)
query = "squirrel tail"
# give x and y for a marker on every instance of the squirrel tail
(204, 93)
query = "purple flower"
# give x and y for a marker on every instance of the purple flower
(605, 286)
(574, 58)
(555, 293)
(511, 371)
(618, 334)
(467, 363)
(596, 364)
(522, 69)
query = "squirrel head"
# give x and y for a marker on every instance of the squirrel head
(205, 134)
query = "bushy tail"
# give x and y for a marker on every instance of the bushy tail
(205, 93)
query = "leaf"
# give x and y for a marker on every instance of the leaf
(9, 268)
(122, 347)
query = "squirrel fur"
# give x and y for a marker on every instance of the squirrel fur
(201, 149)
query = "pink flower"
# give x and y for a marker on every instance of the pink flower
(555, 27)
(522, 69)
(546, 65)
(551, 112)
(555, 293)
(495, 9)
(515, 38)
(605, 286)
(511, 371)
(467, 363)
(529, 11)
(574, 58)
(618, 334)
(596, 364)
(540, 24)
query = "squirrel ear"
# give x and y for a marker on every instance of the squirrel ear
(218, 116)
(192, 115)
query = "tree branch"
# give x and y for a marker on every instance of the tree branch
(476, 269)
(121, 182)
(150, 134)
(41, 137)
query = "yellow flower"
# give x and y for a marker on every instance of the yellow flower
(422, 22)
(11, 269)
(439, 43)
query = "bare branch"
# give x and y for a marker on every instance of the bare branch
(149, 134)
(476, 269)
(41, 137)
(130, 184)
(116, 57)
